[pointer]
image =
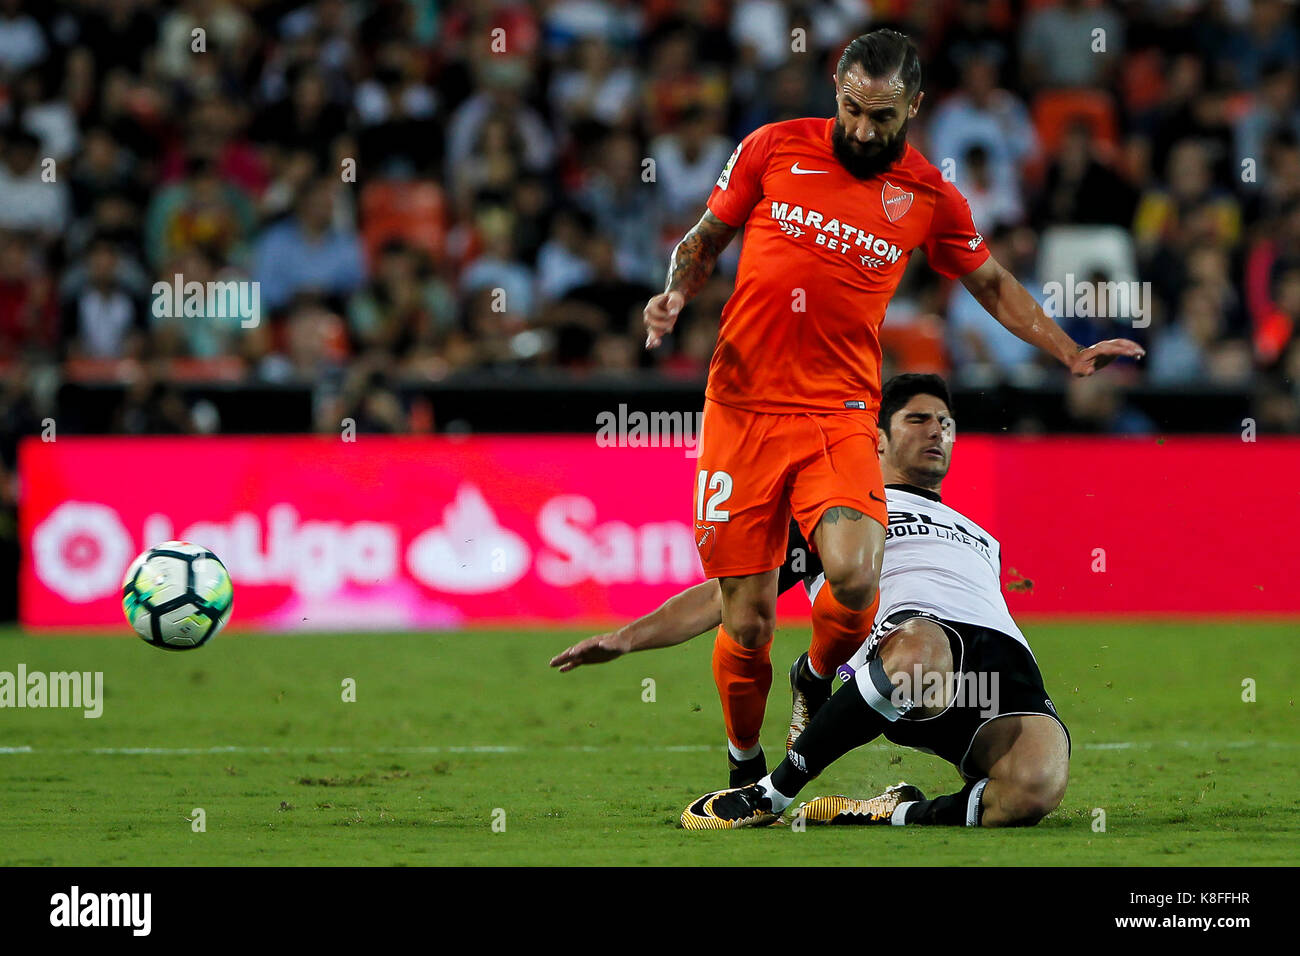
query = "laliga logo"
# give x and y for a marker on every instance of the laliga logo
(470, 553)
(80, 551)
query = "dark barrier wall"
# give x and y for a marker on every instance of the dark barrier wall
(537, 402)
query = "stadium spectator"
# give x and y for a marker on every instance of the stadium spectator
(225, 28)
(22, 41)
(1180, 353)
(32, 200)
(402, 305)
(981, 349)
(1273, 109)
(500, 97)
(596, 89)
(1079, 188)
(687, 162)
(1099, 404)
(306, 121)
(101, 168)
(1187, 210)
(561, 264)
(992, 203)
(982, 114)
(395, 108)
(1073, 43)
(201, 211)
(308, 252)
(618, 300)
(974, 35)
(28, 308)
(531, 165)
(46, 117)
(498, 269)
(1268, 36)
(103, 320)
(626, 207)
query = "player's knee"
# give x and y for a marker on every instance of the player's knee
(918, 660)
(750, 627)
(917, 644)
(1028, 799)
(855, 586)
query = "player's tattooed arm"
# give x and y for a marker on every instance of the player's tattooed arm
(695, 256)
(833, 515)
(1010, 303)
(690, 266)
(695, 611)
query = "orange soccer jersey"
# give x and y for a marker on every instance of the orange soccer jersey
(822, 254)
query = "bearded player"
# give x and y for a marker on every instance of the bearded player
(832, 210)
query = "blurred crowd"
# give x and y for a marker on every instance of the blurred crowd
(423, 188)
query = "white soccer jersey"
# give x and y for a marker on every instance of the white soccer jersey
(938, 560)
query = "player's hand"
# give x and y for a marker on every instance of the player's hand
(594, 650)
(661, 315)
(1094, 357)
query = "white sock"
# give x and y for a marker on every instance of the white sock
(739, 755)
(899, 816)
(779, 800)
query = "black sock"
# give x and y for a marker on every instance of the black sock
(745, 772)
(846, 722)
(949, 810)
(816, 689)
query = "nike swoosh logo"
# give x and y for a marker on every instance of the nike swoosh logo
(876, 497)
(806, 172)
(697, 808)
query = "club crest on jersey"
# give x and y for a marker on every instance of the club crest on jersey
(896, 201)
(704, 538)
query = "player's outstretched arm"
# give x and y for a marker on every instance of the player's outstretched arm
(689, 614)
(689, 268)
(1011, 304)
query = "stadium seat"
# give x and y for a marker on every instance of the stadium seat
(223, 368)
(916, 344)
(414, 211)
(1142, 80)
(1055, 111)
(1081, 250)
(92, 370)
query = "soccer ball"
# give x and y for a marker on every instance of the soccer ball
(177, 595)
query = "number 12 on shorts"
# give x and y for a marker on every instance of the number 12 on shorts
(721, 485)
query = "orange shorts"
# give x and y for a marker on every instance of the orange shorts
(755, 470)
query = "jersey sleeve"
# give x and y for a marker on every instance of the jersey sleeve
(954, 247)
(740, 186)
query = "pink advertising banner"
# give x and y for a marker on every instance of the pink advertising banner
(412, 533)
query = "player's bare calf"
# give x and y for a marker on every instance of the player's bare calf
(1028, 765)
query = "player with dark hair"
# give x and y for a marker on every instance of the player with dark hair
(832, 210)
(946, 670)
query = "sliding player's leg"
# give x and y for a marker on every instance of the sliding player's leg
(840, 493)
(881, 693)
(1002, 733)
(1027, 757)
(878, 695)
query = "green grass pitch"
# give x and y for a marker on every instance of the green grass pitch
(452, 732)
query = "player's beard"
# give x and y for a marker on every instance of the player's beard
(863, 162)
